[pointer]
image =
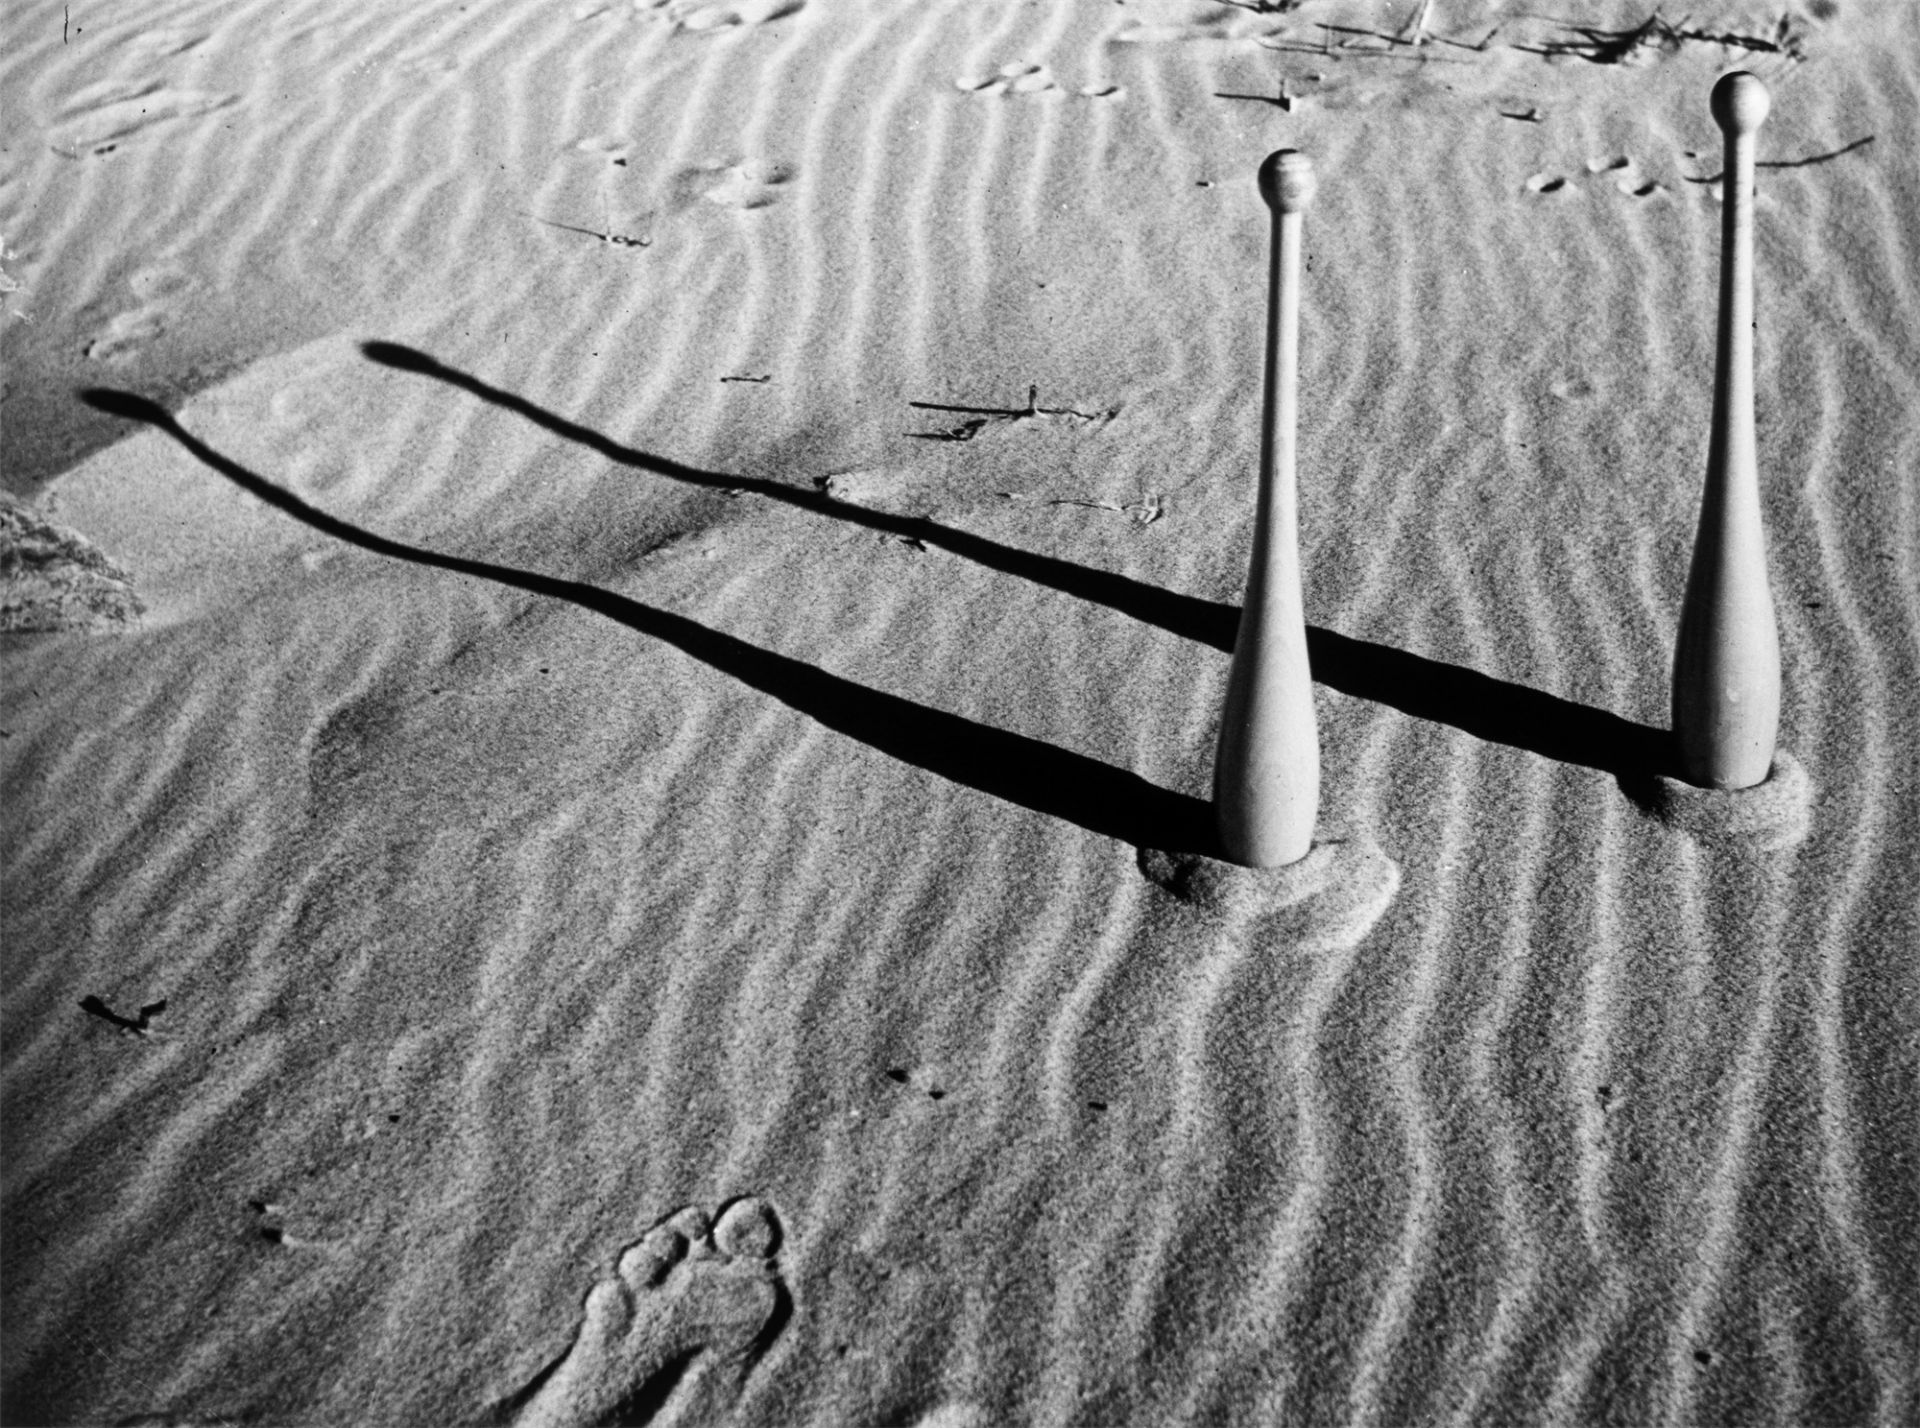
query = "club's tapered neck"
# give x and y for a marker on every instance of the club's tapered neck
(1279, 435)
(1288, 185)
(1733, 356)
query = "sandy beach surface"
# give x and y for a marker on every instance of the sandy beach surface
(618, 616)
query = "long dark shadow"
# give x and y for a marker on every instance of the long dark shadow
(1035, 775)
(1184, 615)
(1807, 162)
(1492, 709)
(1478, 704)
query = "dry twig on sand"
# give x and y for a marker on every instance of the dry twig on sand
(1656, 33)
(139, 1025)
(979, 417)
(618, 240)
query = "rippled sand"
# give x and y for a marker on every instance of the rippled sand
(642, 857)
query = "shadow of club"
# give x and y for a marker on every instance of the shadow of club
(1495, 710)
(1023, 771)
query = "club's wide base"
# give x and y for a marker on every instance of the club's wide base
(1775, 813)
(1328, 900)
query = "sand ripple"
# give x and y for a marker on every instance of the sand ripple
(625, 816)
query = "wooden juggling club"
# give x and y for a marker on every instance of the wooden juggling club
(1266, 773)
(1726, 663)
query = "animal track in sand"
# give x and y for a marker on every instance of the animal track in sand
(747, 185)
(1171, 21)
(1015, 77)
(1630, 184)
(609, 146)
(159, 280)
(270, 1225)
(673, 1332)
(1629, 180)
(898, 490)
(706, 17)
(8, 282)
(157, 285)
(125, 334)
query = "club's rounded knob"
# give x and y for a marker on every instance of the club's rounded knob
(1286, 181)
(1739, 103)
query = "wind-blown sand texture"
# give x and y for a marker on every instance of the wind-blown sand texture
(641, 857)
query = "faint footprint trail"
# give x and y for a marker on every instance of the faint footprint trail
(125, 334)
(673, 1332)
(1159, 22)
(694, 17)
(1627, 176)
(162, 289)
(747, 184)
(1024, 77)
(1016, 77)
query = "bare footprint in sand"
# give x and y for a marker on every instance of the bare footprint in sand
(672, 1334)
